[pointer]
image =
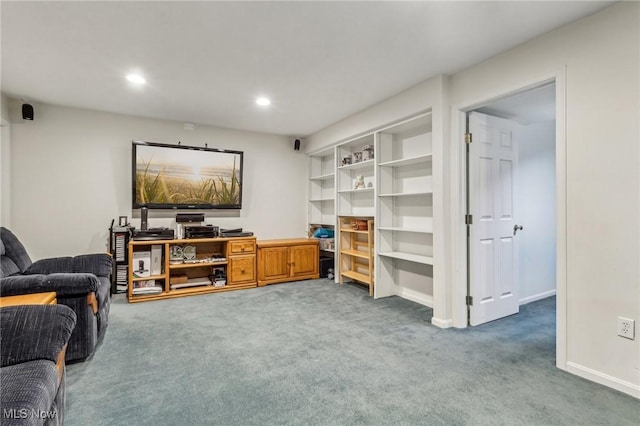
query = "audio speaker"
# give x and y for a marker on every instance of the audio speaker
(27, 112)
(296, 145)
(189, 217)
(144, 218)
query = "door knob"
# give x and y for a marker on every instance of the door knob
(517, 228)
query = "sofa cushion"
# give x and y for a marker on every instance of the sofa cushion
(14, 249)
(31, 332)
(51, 265)
(26, 389)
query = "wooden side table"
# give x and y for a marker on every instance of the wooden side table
(48, 298)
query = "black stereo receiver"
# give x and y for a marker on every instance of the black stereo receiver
(153, 234)
(207, 231)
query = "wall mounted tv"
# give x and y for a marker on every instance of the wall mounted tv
(186, 177)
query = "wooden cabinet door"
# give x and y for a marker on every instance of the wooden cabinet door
(304, 261)
(274, 263)
(242, 269)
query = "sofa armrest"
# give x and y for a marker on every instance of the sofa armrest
(62, 284)
(32, 332)
(98, 264)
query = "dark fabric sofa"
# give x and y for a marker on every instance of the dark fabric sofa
(82, 283)
(32, 367)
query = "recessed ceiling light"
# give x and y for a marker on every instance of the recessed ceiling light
(136, 79)
(263, 101)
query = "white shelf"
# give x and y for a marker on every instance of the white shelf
(360, 165)
(344, 191)
(323, 177)
(401, 229)
(405, 194)
(407, 161)
(319, 200)
(416, 258)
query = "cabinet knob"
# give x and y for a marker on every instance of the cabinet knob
(242, 270)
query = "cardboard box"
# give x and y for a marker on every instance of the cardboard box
(141, 264)
(156, 259)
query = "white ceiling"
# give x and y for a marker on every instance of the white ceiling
(532, 106)
(206, 62)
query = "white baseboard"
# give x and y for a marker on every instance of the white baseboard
(538, 296)
(604, 379)
(441, 323)
(416, 296)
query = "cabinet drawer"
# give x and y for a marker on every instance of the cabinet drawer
(240, 247)
(242, 269)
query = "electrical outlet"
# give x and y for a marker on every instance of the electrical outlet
(626, 328)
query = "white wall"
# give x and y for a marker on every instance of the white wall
(71, 174)
(601, 55)
(5, 163)
(536, 211)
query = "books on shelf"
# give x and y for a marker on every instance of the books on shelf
(192, 282)
(146, 287)
(147, 290)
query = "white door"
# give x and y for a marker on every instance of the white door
(493, 249)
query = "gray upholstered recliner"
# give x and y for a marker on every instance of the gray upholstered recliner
(80, 282)
(32, 344)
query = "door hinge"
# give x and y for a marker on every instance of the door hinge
(468, 219)
(469, 300)
(468, 138)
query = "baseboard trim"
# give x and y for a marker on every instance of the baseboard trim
(441, 322)
(604, 379)
(538, 296)
(416, 296)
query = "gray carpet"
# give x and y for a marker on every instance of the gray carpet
(315, 352)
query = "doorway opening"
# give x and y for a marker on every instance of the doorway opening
(458, 200)
(511, 203)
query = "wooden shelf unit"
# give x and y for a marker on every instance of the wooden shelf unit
(286, 260)
(240, 265)
(357, 251)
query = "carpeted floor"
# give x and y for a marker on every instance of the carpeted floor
(315, 352)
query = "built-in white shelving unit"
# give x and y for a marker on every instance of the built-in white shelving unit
(404, 215)
(392, 184)
(322, 188)
(355, 178)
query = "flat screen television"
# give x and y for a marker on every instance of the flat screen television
(186, 177)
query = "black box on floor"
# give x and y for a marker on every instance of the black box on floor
(326, 263)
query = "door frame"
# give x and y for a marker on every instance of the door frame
(458, 202)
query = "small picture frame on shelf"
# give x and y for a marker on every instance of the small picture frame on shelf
(357, 157)
(123, 220)
(367, 152)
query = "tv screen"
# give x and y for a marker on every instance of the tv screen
(186, 177)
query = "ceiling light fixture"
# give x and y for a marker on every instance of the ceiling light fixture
(263, 101)
(136, 79)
